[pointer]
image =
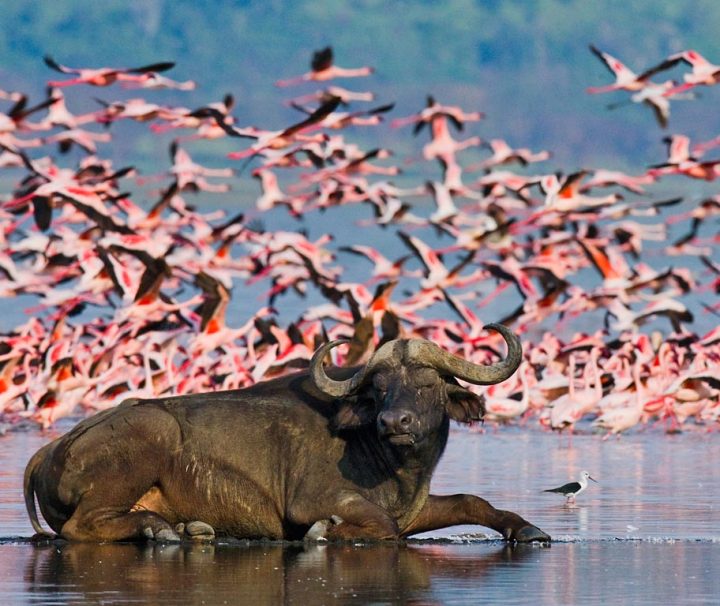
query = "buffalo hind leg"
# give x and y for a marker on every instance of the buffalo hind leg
(444, 511)
(95, 524)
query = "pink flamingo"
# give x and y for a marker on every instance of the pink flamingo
(104, 76)
(502, 153)
(656, 96)
(603, 178)
(562, 194)
(274, 140)
(345, 96)
(620, 411)
(503, 409)
(625, 78)
(190, 175)
(703, 72)
(571, 407)
(434, 110)
(322, 68)
(154, 80)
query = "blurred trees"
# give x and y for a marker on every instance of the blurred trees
(525, 64)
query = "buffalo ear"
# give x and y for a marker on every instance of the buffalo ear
(463, 405)
(353, 412)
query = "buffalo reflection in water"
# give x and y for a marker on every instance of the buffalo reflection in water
(256, 574)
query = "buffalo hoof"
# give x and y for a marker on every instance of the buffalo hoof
(200, 531)
(164, 535)
(318, 531)
(529, 534)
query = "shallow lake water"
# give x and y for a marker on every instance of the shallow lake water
(648, 532)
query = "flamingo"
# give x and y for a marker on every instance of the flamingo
(189, 175)
(345, 96)
(204, 119)
(14, 121)
(322, 68)
(703, 72)
(434, 110)
(505, 409)
(338, 120)
(437, 275)
(603, 178)
(274, 139)
(625, 78)
(104, 76)
(383, 268)
(571, 407)
(502, 153)
(273, 196)
(623, 410)
(84, 139)
(154, 80)
(682, 160)
(562, 194)
(656, 96)
(59, 115)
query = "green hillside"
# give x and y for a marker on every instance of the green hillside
(525, 64)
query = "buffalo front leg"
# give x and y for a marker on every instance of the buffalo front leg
(444, 511)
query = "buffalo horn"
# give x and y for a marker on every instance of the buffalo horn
(429, 354)
(331, 387)
(339, 389)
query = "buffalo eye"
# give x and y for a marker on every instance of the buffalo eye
(381, 388)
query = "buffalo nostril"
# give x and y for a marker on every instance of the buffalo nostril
(405, 420)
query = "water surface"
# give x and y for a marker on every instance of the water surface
(648, 533)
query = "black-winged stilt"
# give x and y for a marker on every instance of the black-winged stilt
(573, 489)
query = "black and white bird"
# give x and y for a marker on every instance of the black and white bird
(573, 489)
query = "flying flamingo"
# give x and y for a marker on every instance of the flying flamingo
(657, 96)
(14, 122)
(383, 268)
(104, 76)
(84, 139)
(345, 96)
(203, 119)
(625, 78)
(154, 81)
(191, 176)
(563, 194)
(433, 110)
(502, 153)
(273, 196)
(604, 178)
(338, 120)
(59, 115)
(437, 275)
(703, 72)
(683, 160)
(274, 140)
(322, 68)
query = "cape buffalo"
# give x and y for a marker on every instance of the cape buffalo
(346, 455)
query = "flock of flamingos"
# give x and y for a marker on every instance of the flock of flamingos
(131, 290)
